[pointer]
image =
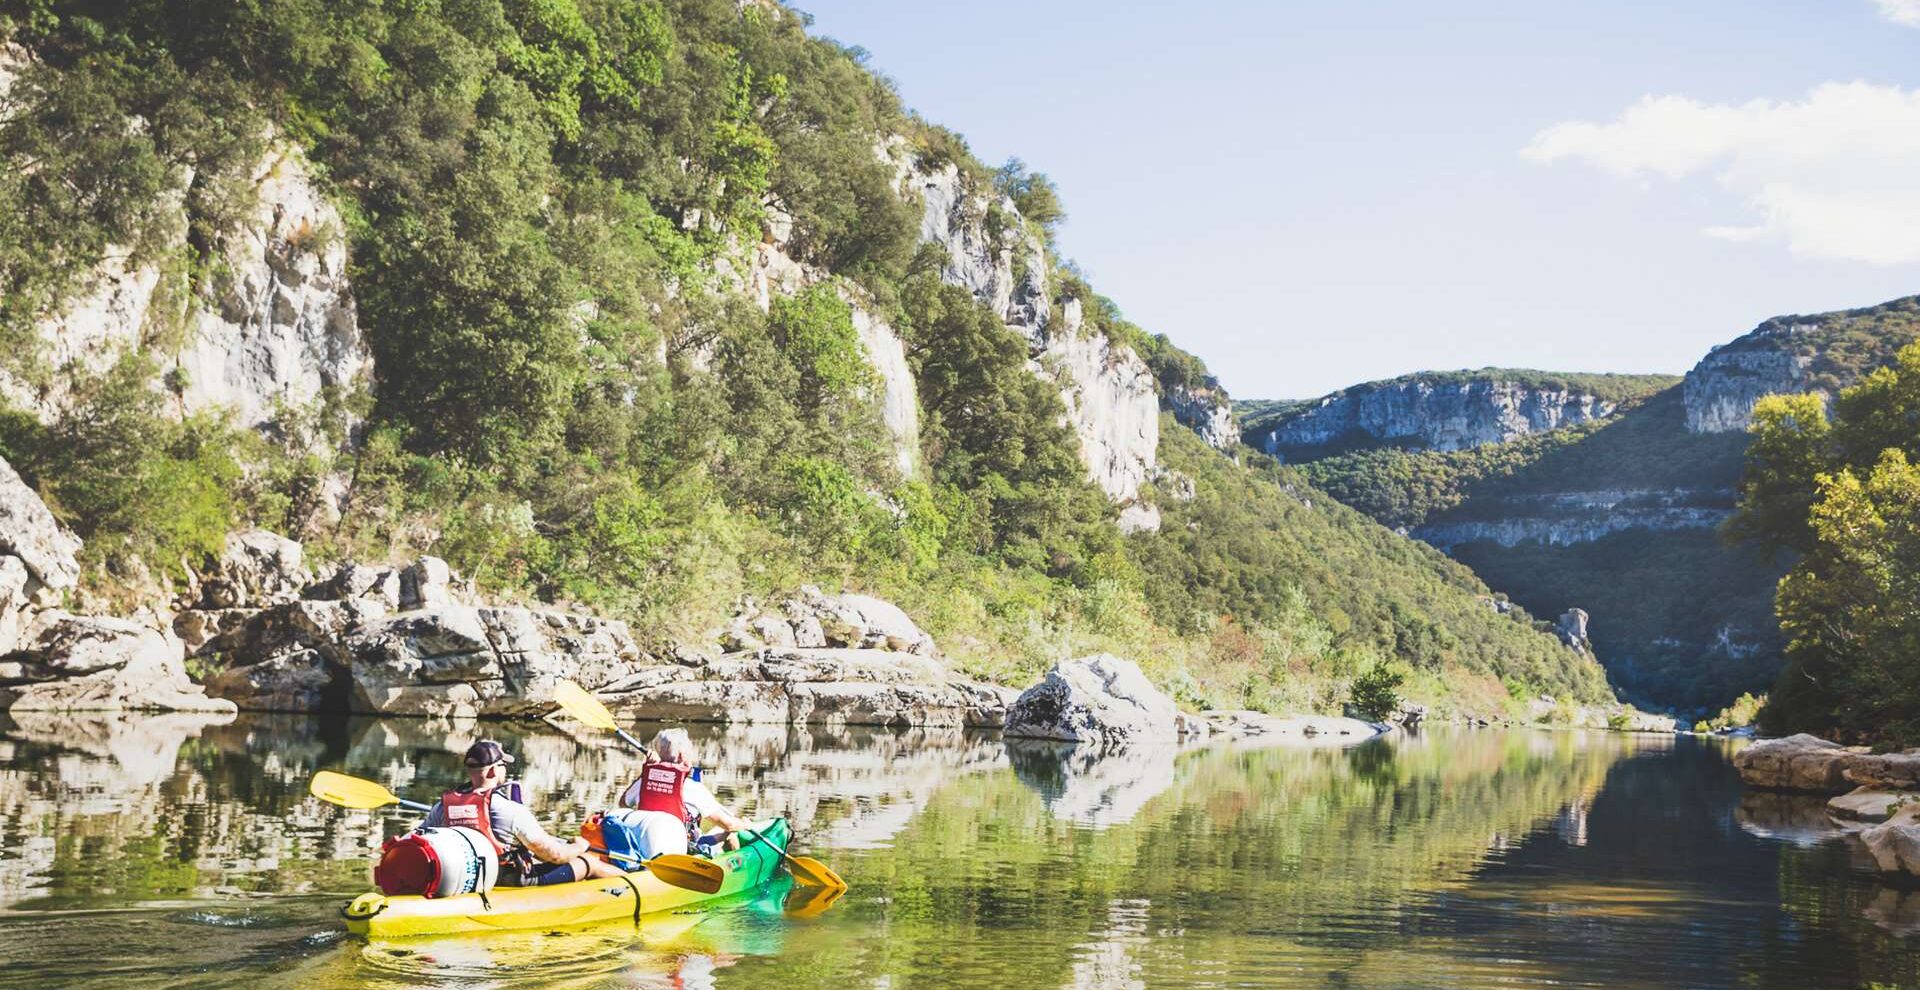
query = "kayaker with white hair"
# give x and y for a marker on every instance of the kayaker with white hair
(672, 804)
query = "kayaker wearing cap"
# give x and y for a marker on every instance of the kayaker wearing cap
(673, 804)
(529, 855)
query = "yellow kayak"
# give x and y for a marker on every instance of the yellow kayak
(582, 902)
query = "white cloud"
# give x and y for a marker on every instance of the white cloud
(1833, 175)
(1905, 12)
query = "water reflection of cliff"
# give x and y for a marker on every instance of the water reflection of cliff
(168, 806)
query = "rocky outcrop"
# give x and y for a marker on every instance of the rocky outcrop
(1895, 842)
(1572, 518)
(88, 663)
(822, 686)
(275, 326)
(1111, 403)
(1100, 699)
(1867, 804)
(815, 619)
(51, 660)
(1110, 393)
(255, 569)
(37, 562)
(1448, 414)
(1822, 353)
(279, 326)
(1720, 390)
(405, 640)
(1797, 763)
(1207, 411)
(1572, 629)
(463, 660)
(415, 641)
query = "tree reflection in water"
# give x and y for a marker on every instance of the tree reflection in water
(1448, 859)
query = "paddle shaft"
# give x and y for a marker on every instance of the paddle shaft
(635, 743)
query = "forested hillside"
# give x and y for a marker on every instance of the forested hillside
(1622, 515)
(665, 303)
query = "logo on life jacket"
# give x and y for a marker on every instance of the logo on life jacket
(660, 788)
(472, 809)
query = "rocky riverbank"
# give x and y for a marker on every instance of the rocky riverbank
(1874, 797)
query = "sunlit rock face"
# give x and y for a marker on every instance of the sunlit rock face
(37, 563)
(1434, 414)
(1207, 411)
(1821, 353)
(1100, 699)
(1112, 400)
(74, 663)
(274, 326)
(1720, 391)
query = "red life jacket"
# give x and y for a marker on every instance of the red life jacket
(660, 785)
(472, 809)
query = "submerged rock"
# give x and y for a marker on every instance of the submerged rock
(1866, 804)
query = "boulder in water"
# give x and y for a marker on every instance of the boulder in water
(1895, 843)
(1102, 698)
(1866, 804)
(1797, 763)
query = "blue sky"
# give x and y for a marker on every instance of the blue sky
(1313, 194)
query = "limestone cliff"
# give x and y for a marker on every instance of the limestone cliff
(1111, 396)
(1440, 412)
(1565, 518)
(1822, 353)
(1205, 410)
(274, 325)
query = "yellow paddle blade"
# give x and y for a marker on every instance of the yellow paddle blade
(350, 792)
(808, 902)
(585, 708)
(808, 870)
(690, 872)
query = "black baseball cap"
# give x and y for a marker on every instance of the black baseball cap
(486, 753)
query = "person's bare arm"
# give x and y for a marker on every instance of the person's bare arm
(548, 848)
(730, 821)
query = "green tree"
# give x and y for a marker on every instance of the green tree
(1845, 495)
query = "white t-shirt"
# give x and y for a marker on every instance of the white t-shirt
(661, 833)
(693, 794)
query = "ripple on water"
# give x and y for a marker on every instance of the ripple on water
(231, 918)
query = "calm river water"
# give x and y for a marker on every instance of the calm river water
(175, 852)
